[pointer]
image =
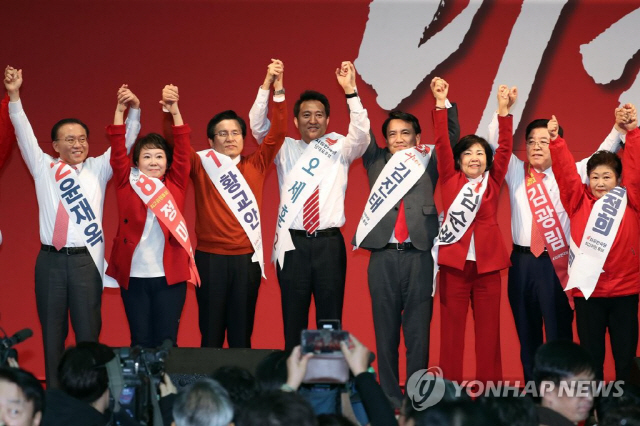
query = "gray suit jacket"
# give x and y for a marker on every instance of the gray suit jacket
(420, 208)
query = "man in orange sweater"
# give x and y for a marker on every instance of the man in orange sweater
(228, 193)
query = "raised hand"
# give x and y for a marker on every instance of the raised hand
(126, 98)
(346, 76)
(503, 100)
(632, 117)
(12, 82)
(440, 90)
(513, 95)
(274, 70)
(553, 127)
(356, 354)
(169, 102)
(297, 367)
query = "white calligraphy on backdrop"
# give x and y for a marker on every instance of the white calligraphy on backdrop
(394, 64)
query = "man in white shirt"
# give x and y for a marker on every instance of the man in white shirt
(535, 290)
(317, 264)
(67, 278)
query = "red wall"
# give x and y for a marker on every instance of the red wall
(75, 55)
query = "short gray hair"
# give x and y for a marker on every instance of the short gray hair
(203, 403)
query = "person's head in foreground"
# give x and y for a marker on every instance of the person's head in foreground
(21, 398)
(203, 403)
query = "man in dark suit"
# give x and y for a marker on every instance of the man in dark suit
(401, 269)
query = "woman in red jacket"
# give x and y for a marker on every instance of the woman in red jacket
(149, 263)
(471, 250)
(604, 273)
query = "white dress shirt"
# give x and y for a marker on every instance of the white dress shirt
(521, 217)
(93, 173)
(334, 184)
(148, 256)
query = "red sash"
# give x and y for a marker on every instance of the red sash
(547, 222)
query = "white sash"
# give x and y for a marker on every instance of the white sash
(460, 216)
(397, 177)
(236, 192)
(586, 262)
(81, 215)
(299, 184)
(157, 197)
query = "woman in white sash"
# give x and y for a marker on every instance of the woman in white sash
(605, 288)
(471, 247)
(148, 262)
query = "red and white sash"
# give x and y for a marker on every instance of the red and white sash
(586, 261)
(397, 177)
(460, 216)
(157, 197)
(299, 184)
(236, 192)
(546, 219)
(81, 214)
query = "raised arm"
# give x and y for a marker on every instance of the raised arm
(275, 137)
(132, 123)
(258, 120)
(358, 138)
(611, 143)
(562, 163)
(446, 163)
(493, 128)
(27, 142)
(505, 139)
(181, 165)
(631, 168)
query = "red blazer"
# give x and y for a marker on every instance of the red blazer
(621, 276)
(491, 254)
(132, 213)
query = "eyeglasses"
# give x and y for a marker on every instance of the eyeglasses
(539, 143)
(225, 134)
(72, 140)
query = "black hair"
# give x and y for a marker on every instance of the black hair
(605, 158)
(558, 360)
(239, 383)
(512, 410)
(404, 116)
(467, 142)
(56, 127)
(225, 115)
(538, 124)
(152, 140)
(333, 420)
(82, 373)
(456, 413)
(311, 95)
(28, 384)
(277, 408)
(271, 372)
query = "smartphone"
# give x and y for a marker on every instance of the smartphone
(323, 341)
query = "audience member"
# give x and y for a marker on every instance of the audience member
(21, 398)
(203, 403)
(277, 408)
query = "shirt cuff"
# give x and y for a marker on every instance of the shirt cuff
(15, 107)
(354, 104)
(263, 94)
(278, 98)
(134, 114)
(447, 103)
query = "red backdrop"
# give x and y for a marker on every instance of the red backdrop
(75, 55)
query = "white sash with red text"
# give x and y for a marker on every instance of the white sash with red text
(157, 197)
(299, 184)
(586, 261)
(397, 177)
(81, 215)
(547, 222)
(460, 216)
(236, 192)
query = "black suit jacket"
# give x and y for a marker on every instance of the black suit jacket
(420, 208)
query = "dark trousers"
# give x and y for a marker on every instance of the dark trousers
(620, 316)
(153, 310)
(457, 288)
(66, 285)
(536, 298)
(227, 298)
(400, 283)
(318, 267)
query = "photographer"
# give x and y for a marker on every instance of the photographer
(83, 397)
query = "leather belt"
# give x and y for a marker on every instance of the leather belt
(328, 232)
(524, 249)
(399, 246)
(66, 250)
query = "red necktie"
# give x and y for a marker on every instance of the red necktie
(311, 212)
(537, 243)
(401, 230)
